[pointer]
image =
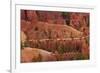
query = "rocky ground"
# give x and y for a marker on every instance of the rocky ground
(54, 36)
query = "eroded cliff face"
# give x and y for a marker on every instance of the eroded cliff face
(42, 30)
(64, 35)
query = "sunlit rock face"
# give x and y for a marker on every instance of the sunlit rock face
(35, 55)
(23, 37)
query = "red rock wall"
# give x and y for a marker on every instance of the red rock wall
(55, 32)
